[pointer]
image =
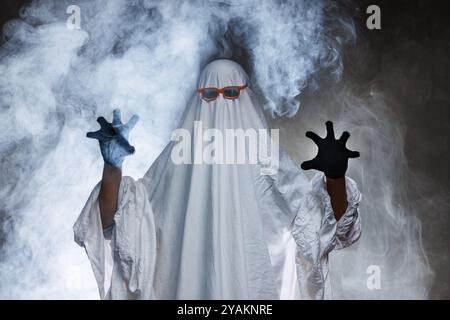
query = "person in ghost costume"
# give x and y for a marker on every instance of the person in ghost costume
(218, 230)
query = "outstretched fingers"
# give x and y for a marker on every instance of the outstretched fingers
(131, 149)
(314, 137)
(126, 145)
(103, 123)
(97, 135)
(330, 130)
(116, 117)
(352, 154)
(344, 137)
(343, 140)
(109, 131)
(93, 134)
(311, 164)
(132, 122)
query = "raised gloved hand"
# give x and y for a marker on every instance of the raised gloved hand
(332, 157)
(113, 138)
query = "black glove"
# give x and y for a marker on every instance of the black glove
(332, 157)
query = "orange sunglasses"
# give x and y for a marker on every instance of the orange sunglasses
(230, 92)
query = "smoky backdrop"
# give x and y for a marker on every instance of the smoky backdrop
(310, 61)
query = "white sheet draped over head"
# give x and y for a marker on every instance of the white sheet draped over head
(209, 217)
(220, 231)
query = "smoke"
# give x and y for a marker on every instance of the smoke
(144, 57)
(393, 196)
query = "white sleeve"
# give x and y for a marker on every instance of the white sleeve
(316, 232)
(133, 242)
(343, 233)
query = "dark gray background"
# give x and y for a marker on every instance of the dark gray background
(409, 60)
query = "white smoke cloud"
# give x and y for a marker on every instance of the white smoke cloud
(393, 196)
(144, 57)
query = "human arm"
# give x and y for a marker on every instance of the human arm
(336, 188)
(114, 146)
(332, 160)
(109, 193)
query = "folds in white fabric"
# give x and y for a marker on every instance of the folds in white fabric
(219, 231)
(317, 232)
(133, 241)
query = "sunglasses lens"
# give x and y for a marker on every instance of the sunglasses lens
(210, 94)
(231, 92)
